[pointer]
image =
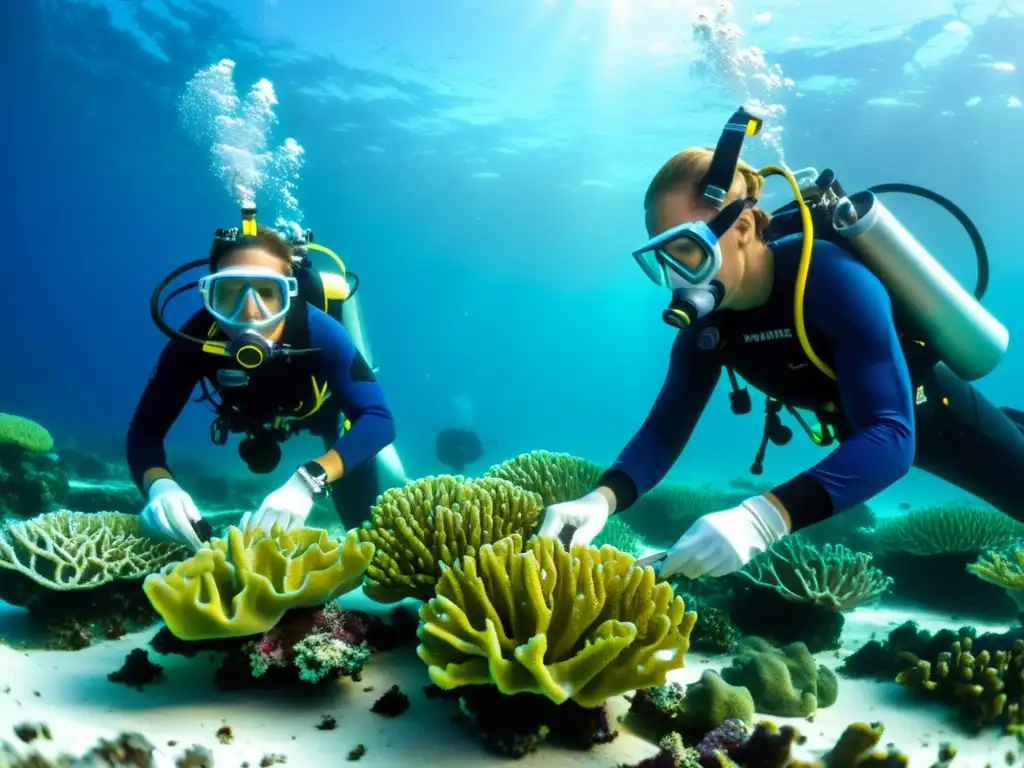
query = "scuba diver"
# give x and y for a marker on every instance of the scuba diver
(860, 326)
(281, 345)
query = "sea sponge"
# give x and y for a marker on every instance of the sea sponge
(63, 551)
(832, 577)
(435, 521)
(786, 681)
(556, 477)
(25, 434)
(581, 625)
(244, 584)
(945, 529)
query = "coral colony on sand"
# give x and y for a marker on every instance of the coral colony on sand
(527, 637)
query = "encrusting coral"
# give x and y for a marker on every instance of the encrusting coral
(80, 572)
(555, 477)
(784, 681)
(244, 584)
(434, 521)
(581, 625)
(831, 577)
(692, 711)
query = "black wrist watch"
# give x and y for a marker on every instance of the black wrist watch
(315, 476)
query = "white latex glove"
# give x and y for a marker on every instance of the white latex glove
(170, 514)
(723, 542)
(587, 515)
(288, 506)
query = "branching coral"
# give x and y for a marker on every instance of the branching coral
(988, 687)
(832, 577)
(244, 585)
(555, 477)
(434, 521)
(64, 551)
(946, 529)
(581, 625)
(998, 570)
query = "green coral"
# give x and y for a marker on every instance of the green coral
(318, 655)
(620, 535)
(711, 701)
(244, 584)
(997, 569)
(831, 577)
(581, 625)
(987, 687)
(24, 433)
(432, 522)
(945, 529)
(786, 681)
(555, 477)
(64, 551)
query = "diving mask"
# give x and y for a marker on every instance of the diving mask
(249, 298)
(686, 260)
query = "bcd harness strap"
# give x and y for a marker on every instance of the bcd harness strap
(774, 430)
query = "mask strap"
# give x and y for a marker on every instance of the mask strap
(716, 182)
(728, 216)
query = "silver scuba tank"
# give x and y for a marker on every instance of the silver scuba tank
(965, 335)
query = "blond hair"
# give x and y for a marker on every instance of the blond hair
(684, 170)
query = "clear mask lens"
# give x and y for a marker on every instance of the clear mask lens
(250, 300)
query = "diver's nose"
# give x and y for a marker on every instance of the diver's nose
(250, 310)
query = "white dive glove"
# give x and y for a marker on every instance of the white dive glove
(170, 514)
(288, 506)
(587, 515)
(723, 542)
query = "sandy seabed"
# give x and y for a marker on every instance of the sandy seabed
(69, 692)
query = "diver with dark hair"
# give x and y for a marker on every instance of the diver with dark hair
(829, 306)
(278, 349)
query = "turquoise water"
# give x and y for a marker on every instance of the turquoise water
(481, 167)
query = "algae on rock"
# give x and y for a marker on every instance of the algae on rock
(581, 625)
(433, 522)
(244, 584)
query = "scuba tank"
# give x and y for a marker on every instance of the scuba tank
(964, 334)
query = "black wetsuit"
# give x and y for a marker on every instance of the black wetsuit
(279, 387)
(891, 408)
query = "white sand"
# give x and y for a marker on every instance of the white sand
(69, 691)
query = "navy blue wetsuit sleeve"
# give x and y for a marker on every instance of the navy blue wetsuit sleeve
(349, 378)
(175, 376)
(650, 454)
(850, 306)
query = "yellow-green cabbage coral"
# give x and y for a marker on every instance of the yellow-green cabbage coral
(581, 625)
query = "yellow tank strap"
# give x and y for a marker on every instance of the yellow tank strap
(319, 395)
(329, 252)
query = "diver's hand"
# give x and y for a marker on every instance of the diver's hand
(723, 542)
(170, 514)
(288, 506)
(587, 515)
